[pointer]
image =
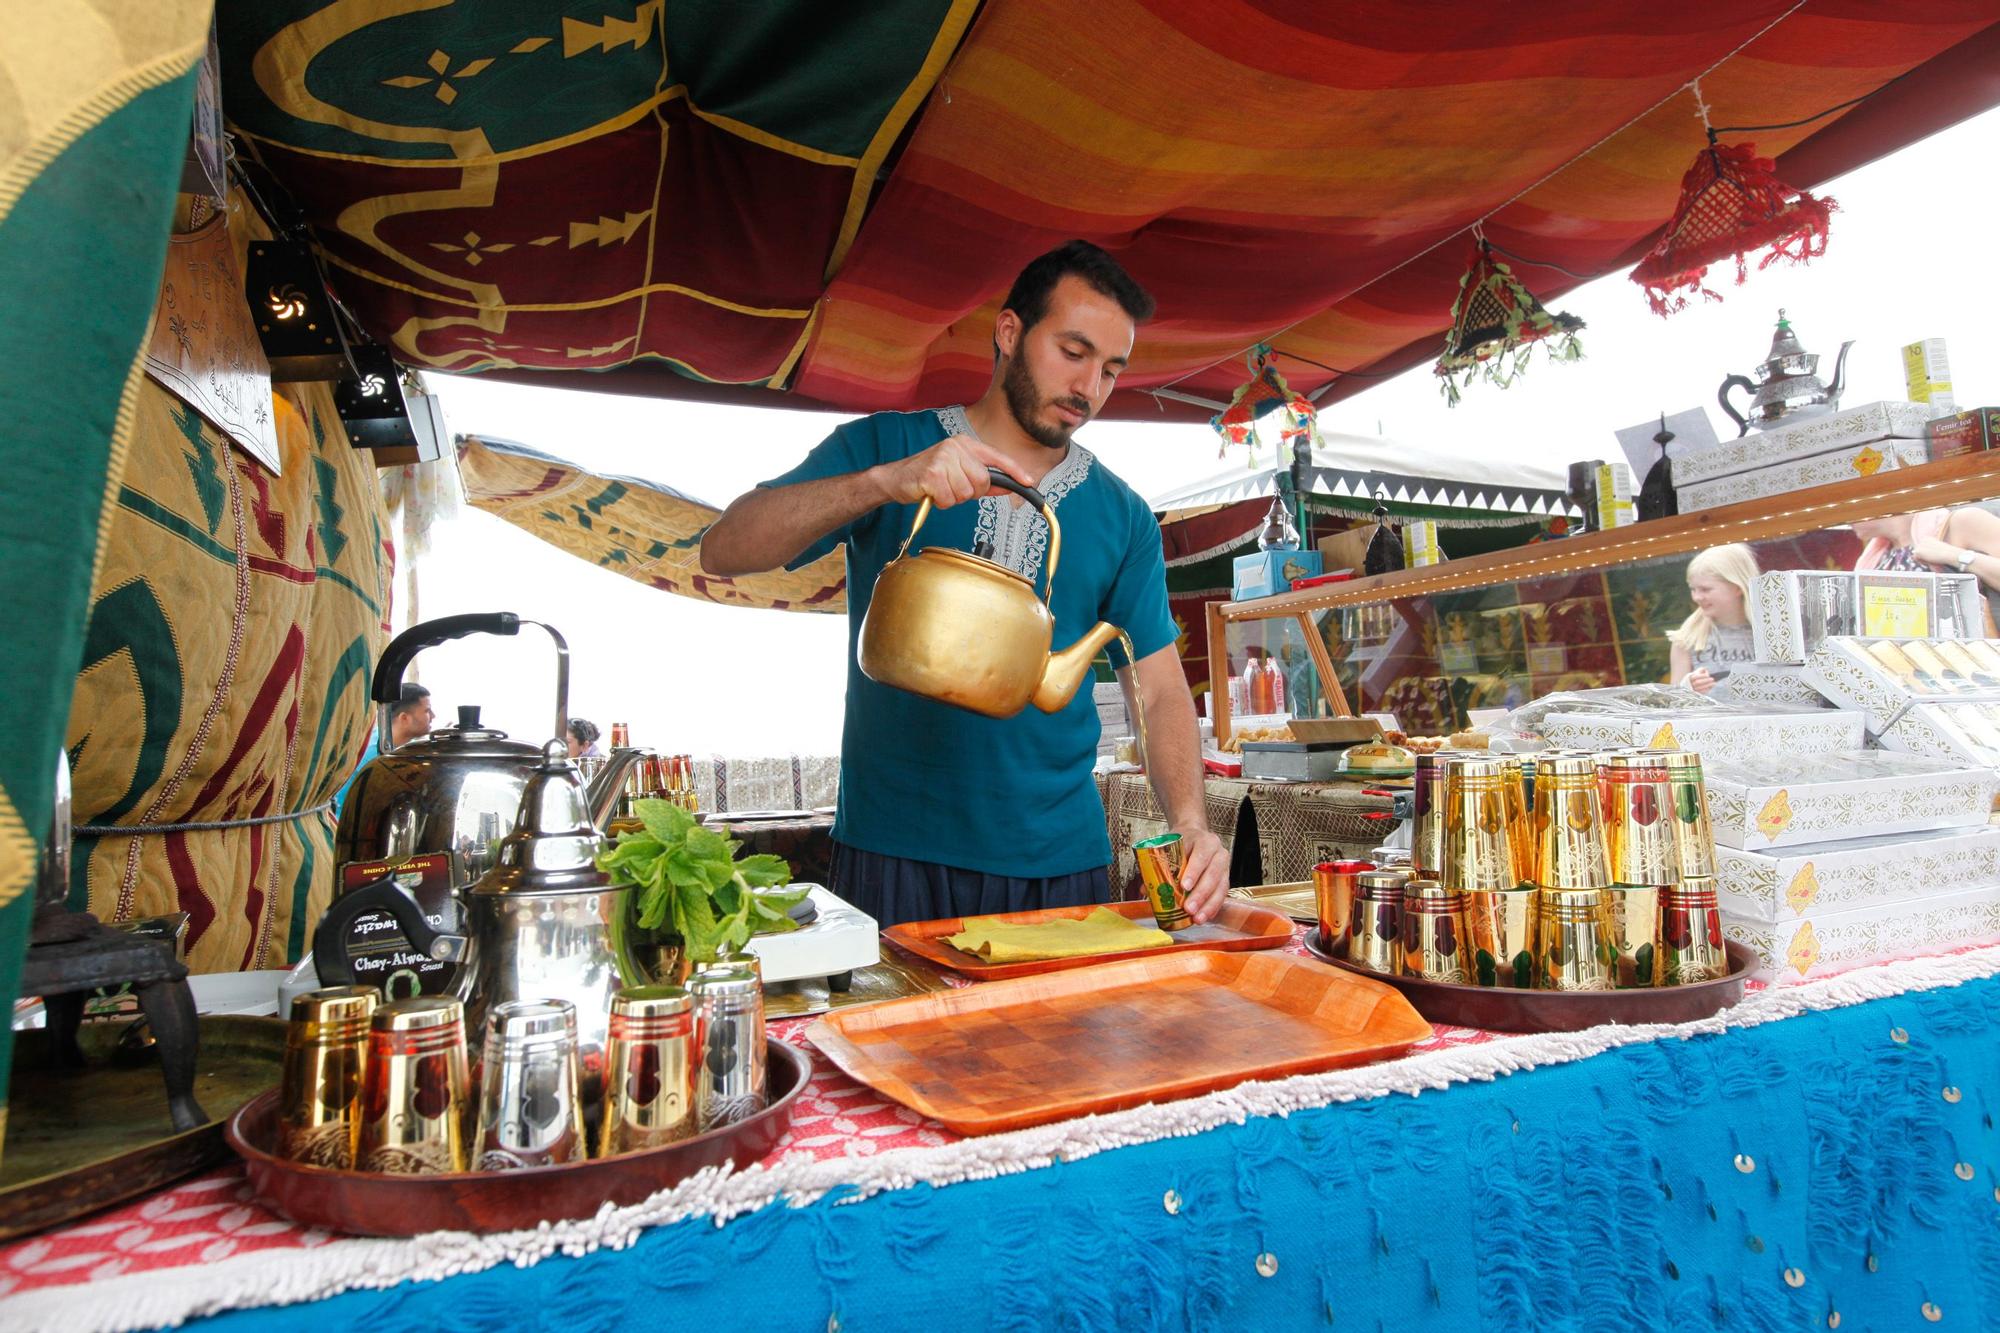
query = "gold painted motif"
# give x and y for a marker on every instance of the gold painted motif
(1804, 950)
(1804, 887)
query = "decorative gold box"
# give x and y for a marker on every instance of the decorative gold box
(1791, 882)
(1717, 736)
(1793, 610)
(1804, 438)
(1862, 460)
(1823, 942)
(1793, 798)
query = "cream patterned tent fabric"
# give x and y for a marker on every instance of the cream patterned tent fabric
(643, 531)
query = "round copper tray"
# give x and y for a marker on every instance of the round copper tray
(1499, 1010)
(368, 1204)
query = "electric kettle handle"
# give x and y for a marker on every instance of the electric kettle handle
(1026, 492)
(386, 687)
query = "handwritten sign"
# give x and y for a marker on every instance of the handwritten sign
(205, 350)
(1895, 610)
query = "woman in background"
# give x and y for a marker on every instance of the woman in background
(583, 735)
(1717, 634)
(1944, 541)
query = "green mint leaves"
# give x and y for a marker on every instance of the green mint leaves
(689, 881)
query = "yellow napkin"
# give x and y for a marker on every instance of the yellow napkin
(1103, 931)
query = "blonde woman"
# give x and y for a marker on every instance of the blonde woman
(1717, 635)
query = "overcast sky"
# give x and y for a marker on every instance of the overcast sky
(1908, 259)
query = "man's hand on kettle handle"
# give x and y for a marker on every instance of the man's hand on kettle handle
(949, 472)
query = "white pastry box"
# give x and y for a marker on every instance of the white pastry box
(1718, 736)
(1862, 460)
(1793, 610)
(1820, 943)
(1791, 882)
(1954, 717)
(1844, 430)
(1790, 799)
(1773, 685)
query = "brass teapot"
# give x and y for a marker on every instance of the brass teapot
(963, 630)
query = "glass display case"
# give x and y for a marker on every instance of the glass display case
(1434, 645)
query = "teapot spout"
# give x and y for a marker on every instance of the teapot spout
(1065, 670)
(1839, 383)
(601, 796)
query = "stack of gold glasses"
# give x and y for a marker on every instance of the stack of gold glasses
(1605, 882)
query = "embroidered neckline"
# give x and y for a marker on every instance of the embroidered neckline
(1018, 535)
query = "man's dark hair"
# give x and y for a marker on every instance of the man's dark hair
(413, 694)
(1029, 297)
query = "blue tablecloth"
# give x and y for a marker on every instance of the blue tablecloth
(1763, 1178)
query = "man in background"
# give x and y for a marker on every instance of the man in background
(412, 718)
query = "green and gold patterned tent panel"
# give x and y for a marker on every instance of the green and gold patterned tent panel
(642, 530)
(94, 119)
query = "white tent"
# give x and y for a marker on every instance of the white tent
(1358, 468)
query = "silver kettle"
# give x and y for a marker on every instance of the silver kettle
(544, 923)
(450, 796)
(1786, 386)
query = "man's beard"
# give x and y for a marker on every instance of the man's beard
(1026, 405)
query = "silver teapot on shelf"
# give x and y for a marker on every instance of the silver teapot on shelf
(1786, 387)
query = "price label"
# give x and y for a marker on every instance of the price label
(1895, 610)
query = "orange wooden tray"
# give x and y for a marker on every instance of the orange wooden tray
(1238, 925)
(982, 1059)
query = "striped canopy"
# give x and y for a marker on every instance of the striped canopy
(826, 201)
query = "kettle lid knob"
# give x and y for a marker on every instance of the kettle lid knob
(468, 717)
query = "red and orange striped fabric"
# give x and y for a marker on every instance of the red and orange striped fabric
(829, 201)
(1297, 173)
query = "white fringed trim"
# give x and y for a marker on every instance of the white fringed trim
(280, 1277)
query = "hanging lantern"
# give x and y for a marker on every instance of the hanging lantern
(1495, 324)
(1731, 203)
(1265, 391)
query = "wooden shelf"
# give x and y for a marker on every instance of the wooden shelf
(1900, 491)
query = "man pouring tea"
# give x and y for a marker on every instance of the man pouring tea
(944, 812)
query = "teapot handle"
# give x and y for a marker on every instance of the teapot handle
(1722, 396)
(386, 686)
(1026, 492)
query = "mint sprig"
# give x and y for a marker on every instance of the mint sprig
(688, 879)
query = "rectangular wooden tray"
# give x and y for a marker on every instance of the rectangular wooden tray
(1239, 925)
(984, 1059)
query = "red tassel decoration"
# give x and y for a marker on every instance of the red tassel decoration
(1731, 203)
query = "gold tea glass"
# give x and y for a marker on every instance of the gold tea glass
(1159, 862)
(1639, 824)
(1377, 939)
(1434, 932)
(1691, 926)
(320, 1087)
(1427, 813)
(418, 1088)
(648, 1070)
(1574, 953)
(1478, 848)
(1694, 832)
(1503, 926)
(1333, 894)
(1569, 824)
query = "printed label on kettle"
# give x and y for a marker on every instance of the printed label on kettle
(375, 946)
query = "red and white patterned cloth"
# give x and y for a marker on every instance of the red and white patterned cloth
(212, 1216)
